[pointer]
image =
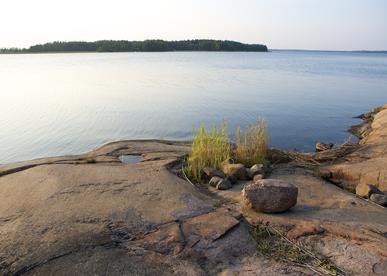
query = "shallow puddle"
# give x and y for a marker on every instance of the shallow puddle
(131, 159)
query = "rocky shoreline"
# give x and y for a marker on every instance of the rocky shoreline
(91, 214)
(368, 163)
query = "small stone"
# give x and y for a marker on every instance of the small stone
(257, 177)
(237, 170)
(305, 228)
(270, 196)
(366, 190)
(256, 169)
(233, 180)
(215, 180)
(224, 185)
(208, 173)
(380, 199)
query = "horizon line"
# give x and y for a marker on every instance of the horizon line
(322, 50)
(170, 40)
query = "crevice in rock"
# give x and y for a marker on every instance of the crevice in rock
(33, 266)
(228, 231)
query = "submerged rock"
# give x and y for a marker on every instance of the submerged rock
(270, 196)
(380, 199)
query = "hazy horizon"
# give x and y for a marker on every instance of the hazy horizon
(270, 49)
(280, 24)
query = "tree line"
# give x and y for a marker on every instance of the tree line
(155, 45)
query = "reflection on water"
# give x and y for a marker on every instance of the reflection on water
(53, 104)
(131, 159)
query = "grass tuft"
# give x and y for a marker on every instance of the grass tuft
(252, 144)
(209, 149)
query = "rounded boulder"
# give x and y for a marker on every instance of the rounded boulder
(270, 196)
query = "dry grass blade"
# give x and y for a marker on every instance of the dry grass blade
(336, 152)
(252, 144)
(271, 243)
(312, 160)
(209, 149)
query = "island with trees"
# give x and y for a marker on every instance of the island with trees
(155, 45)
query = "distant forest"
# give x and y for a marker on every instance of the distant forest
(139, 46)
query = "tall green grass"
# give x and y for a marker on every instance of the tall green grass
(211, 147)
(252, 144)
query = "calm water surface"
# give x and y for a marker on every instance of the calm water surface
(54, 104)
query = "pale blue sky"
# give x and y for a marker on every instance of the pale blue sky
(296, 24)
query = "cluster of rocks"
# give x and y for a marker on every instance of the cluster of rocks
(364, 168)
(261, 195)
(371, 192)
(230, 173)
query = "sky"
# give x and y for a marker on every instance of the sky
(279, 24)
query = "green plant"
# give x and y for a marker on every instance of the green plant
(209, 149)
(252, 144)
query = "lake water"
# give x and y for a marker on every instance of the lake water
(55, 104)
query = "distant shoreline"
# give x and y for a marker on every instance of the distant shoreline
(197, 51)
(149, 52)
(107, 46)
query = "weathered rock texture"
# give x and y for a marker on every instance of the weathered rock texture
(327, 220)
(270, 195)
(92, 215)
(224, 184)
(236, 170)
(215, 180)
(366, 190)
(368, 164)
(380, 199)
(210, 173)
(257, 177)
(254, 170)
